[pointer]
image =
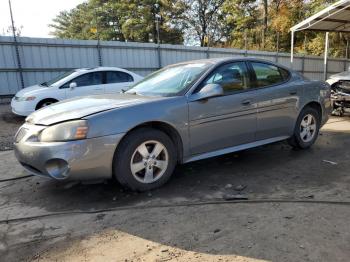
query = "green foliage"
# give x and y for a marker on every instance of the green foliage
(252, 24)
(121, 20)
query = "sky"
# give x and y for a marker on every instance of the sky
(33, 15)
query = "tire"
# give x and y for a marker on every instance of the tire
(44, 103)
(301, 138)
(128, 159)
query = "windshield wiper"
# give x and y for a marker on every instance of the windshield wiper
(44, 84)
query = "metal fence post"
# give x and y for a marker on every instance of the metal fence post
(99, 53)
(208, 54)
(303, 64)
(159, 57)
(19, 64)
(345, 63)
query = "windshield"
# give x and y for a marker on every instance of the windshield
(170, 81)
(58, 78)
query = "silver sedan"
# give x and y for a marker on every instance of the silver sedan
(181, 113)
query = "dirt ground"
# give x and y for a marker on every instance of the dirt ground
(297, 209)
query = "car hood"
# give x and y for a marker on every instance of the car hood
(30, 90)
(341, 76)
(77, 108)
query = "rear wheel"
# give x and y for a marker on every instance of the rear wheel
(144, 160)
(306, 129)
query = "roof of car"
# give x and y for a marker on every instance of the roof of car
(231, 59)
(101, 68)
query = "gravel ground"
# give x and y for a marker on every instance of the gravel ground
(9, 124)
(46, 220)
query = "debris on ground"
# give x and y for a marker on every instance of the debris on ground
(71, 184)
(240, 187)
(235, 197)
(228, 186)
(330, 162)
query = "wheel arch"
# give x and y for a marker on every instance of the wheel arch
(168, 129)
(315, 105)
(43, 101)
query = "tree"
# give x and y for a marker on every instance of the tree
(241, 22)
(121, 20)
(203, 18)
(260, 25)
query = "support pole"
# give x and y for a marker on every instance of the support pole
(292, 50)
(245, 43)
(19, 64)
(325, 64)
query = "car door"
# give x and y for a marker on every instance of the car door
(86, 84)
(228, 120)
(116, 81)
(277, 100)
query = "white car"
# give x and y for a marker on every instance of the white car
(344, 76)
(79, 82)
(340, 88)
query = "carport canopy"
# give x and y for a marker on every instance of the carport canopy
(335, 18)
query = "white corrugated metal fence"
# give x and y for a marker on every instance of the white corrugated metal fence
(43, 58)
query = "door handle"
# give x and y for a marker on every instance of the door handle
(246, 102)
(294, 92)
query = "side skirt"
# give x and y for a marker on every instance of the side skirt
(234, 149)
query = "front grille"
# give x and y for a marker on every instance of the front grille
(20, 134)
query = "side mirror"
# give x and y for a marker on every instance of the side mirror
(208, 91)
(73, 85)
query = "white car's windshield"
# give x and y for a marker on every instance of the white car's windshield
(58, 78)
(171, 80)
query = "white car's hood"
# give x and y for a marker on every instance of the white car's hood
(31, 90)
(341, 76)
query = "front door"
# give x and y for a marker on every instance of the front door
(225, 121)
(87, 84)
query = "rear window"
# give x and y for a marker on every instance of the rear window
(267, 74)
(118, 77)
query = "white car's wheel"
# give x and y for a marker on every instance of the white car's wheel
(45, 103)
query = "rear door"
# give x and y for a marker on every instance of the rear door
(116, 81)
(277, 100)
(86, 84)
(225, 121)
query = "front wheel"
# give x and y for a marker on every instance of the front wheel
(306, 129)
(45, 103)
(144, 160)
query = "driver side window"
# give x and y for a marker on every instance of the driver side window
(231, 77)
(88, 79)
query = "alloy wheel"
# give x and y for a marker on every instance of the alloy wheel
(149, 161)
(308, 128)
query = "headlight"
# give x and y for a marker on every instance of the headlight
(26, 98)
(72, 130)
